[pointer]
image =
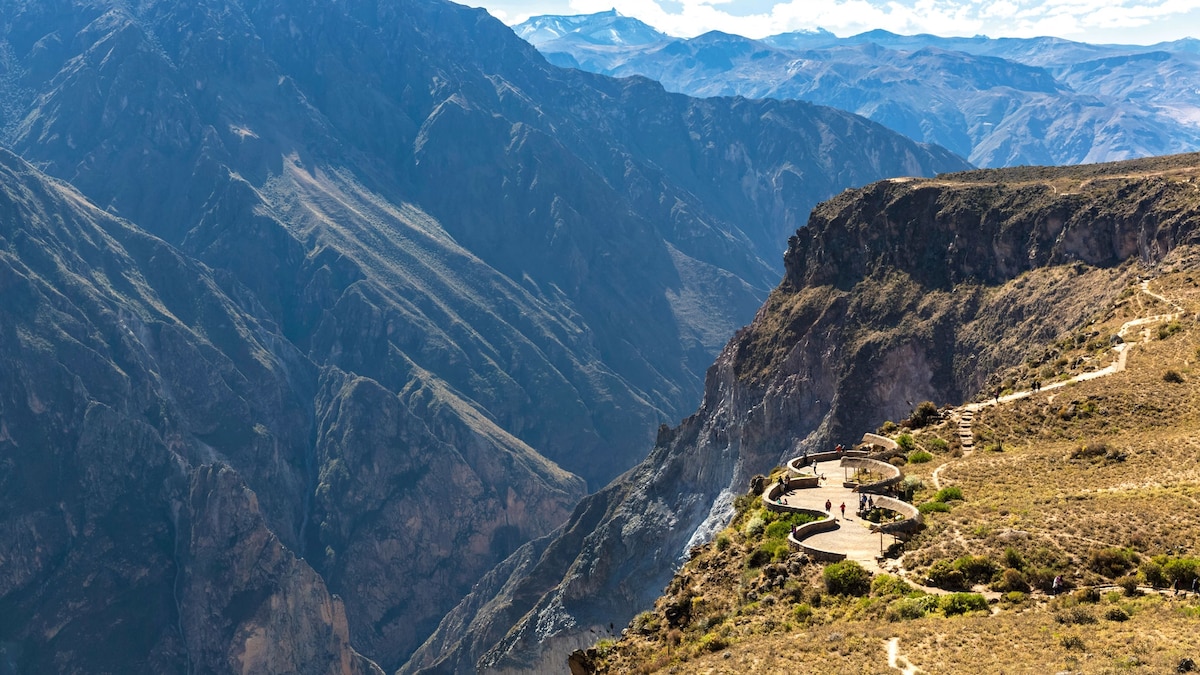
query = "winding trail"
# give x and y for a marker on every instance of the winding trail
(966, 413)
(899, 662)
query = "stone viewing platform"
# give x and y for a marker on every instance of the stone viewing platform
(836, 536)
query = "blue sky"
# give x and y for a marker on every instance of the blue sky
(1112, 21)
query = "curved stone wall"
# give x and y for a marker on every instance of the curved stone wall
(807, 530)
(912, 515)
(881, 441)
(892, 474)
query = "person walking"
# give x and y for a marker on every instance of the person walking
(828, 505)
(843, 510)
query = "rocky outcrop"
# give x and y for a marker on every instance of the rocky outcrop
(901, 291)
(246, 603)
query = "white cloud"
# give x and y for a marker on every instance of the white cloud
(1094, 20)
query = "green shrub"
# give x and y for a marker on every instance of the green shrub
(1112, 562)
(977, 569)
(761, 556)
(1015, 597)
(1011, 580)
(779, 529)
(887, 584)
(934, 507)
(923, 415)
(712, 642)
(961, 603)
(904, 609)
(888, 427)
(949, 494)
(847, 578)
(943, 575)
(906, 442)
(1181, 571)
(1013, 559)
(1087, 595)
(937, 445)
(1041, 578)
(802, 612)
(1152, 572)
(723, 542)
(919, 457)
(755, 526)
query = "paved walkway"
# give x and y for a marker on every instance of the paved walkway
(853, 536)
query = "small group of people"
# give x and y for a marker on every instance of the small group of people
(829, 508)
(866, 502)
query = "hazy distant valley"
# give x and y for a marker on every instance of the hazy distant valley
(997, 102)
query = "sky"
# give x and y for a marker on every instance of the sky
(1097, 21)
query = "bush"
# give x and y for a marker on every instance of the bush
(888, 427)
(722, 542)
(1041, 578)
(923, 415)
(1129, 584)
(943, 575)
(761, 556)
(1075, 615)
(1115, 613)
(948, 494)
(919, 457)
(961, 603)
(779, 529)
(976, 569)
(1015, 597)
(1011, 580)
(1172, 377)
(1013, 559)
(906, 442)
(712, 642)
(755, 526)
(1112, 562)
(905, 609)
(802, 612)
(1181, 571)
(847, 578)
(887, 584)
(1152, 572)
(1073, 642)
(937, 445)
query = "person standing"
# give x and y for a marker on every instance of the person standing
(828, 505)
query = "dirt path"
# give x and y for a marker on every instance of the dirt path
(898, 661)
(966, 414)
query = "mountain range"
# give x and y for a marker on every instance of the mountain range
(997, 102)
(316, 312)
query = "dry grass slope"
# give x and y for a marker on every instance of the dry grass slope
(1098, 481)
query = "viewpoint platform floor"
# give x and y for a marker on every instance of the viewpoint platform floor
(853, 536)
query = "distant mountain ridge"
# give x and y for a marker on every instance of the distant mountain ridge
(997, 102)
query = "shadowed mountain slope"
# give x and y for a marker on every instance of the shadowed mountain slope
(487, 279)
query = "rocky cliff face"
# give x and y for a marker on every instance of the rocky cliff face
(895, 293)
(128, 370)
(407, 280)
